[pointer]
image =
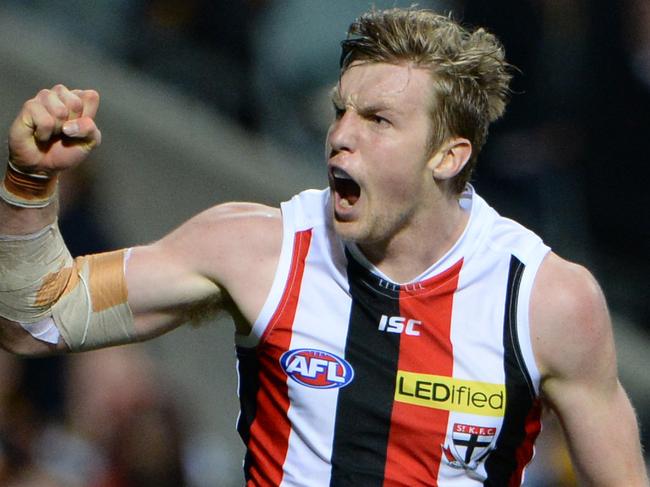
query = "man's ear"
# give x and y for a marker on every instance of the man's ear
(451, 158)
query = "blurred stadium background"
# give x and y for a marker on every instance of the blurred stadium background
(210, 101)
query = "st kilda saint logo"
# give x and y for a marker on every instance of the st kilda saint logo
(470, 445)
(316, 368)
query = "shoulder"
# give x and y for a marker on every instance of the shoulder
(235, 215)
(235, 246)
(226, 238)
(225, 224)
(570, 325)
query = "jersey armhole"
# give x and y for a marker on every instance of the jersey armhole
(533, 262)
(279, 283)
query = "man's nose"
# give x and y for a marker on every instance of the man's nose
(343, 133)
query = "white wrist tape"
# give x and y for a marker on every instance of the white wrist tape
(86, 297)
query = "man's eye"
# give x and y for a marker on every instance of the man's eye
(338, 112)
(379, 120)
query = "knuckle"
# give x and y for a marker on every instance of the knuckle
(46, 123)
(75, 103)
(30, 104)
(91, 96)
(60, 112)
(43, 94)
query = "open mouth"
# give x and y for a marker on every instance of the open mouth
(347, 189)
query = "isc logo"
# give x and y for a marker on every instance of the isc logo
(399, 324)
(316, 368)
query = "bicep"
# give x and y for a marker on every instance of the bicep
(598, 425)
(164, 287)
(224, 258)
(574, 346)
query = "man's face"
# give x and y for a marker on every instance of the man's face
(377, 149)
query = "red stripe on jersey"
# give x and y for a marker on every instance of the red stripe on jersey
(417, 433)
(269, 433)
(524, 453)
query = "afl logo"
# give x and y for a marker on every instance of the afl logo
(316, 368)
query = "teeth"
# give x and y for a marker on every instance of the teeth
(340, 173)
(345, 203)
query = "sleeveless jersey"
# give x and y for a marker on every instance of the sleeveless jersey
(350, 379)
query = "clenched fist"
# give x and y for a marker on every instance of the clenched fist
(54, 131)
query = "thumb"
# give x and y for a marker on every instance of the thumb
(83, 128)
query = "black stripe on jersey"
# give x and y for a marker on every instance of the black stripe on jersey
(364, 406)
(248, 368)
(520, 393)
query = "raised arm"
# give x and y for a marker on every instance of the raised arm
(122, 296)
(574, 346)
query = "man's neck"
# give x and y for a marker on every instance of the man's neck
(420, 244)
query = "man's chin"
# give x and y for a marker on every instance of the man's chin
(349, 231)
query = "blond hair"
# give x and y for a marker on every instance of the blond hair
(470, 74)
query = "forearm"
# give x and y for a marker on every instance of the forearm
(22, 280)
(43, 290)
(22, 221)
(31, 248)
(28, 206)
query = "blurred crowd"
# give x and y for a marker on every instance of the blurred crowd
(115, 427)
(568, 160)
